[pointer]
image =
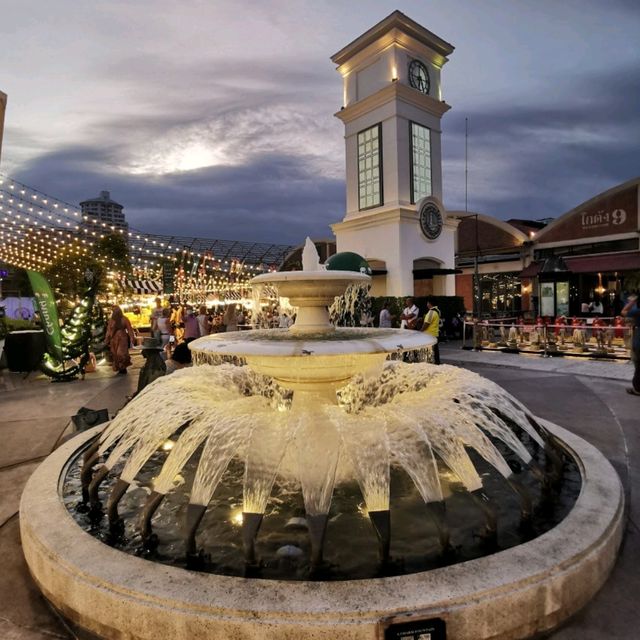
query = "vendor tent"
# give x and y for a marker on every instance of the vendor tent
(149, 287)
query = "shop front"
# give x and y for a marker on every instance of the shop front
(587, 261)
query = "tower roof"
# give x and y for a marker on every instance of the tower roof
(395, 20)
(105, 198)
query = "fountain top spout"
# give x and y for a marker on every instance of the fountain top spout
(310, 257)
(312, 290)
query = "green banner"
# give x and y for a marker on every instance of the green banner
(168, 270)
(48, 313)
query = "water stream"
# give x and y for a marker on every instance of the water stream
(409, 437)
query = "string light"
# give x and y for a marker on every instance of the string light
(37, 229)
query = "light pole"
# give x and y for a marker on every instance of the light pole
(476, 274)
(476, 277)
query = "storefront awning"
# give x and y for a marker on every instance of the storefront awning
(532, 270)
(429, 273)
(590, 264)
(142, 286)
(599, 264)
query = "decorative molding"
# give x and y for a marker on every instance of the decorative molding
(376, 219)
(394, 21)
(394, 91)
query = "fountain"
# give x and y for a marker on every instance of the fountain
(319, 411)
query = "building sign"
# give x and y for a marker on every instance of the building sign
(433, 629)
(167, 278)
(609, 215)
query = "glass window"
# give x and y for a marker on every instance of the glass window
(562, 298)
(369, 167)
(547, 299)
(499, 294)
(420, 140)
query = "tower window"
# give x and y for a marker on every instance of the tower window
(370, 167)
(420, 139)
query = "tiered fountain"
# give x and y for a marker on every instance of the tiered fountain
(320, 412)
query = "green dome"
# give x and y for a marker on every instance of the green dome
(348, 261)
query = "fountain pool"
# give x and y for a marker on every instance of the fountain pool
(266, 475)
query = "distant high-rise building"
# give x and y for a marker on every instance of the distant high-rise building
(3, 106)
(103, 215)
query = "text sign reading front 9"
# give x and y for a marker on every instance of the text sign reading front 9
(608, 215)
(603, 218)
(434, 629)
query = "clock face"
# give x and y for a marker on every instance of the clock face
(430, 220)
(419, 76)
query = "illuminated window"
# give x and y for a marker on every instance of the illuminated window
(370, 167)
(420, 138)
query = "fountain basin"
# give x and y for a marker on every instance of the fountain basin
(312, 292)
(336, 357)
(516, 593)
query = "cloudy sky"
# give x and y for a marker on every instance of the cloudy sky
(215, 117)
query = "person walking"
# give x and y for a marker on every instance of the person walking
(164, 327)
(204, 322)
(632, 310)
(119, 338)
(191, 327)
(155, 315)
(230, 319)
(432, 326)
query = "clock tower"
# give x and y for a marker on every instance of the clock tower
(392, 106)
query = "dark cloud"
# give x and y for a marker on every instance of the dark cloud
(543, 158)
(274, 198)
(258, 92)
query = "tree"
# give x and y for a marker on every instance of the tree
(113, 251)
(66, 273)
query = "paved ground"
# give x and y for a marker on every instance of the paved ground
(584, 396)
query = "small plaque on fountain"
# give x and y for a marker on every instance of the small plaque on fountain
(432, 629)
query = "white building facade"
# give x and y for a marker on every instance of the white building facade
(392, 110)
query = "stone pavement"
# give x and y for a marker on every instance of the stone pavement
(34, 418)
(584, 396)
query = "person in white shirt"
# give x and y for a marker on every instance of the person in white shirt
(230, 319)
(596, 307)
(284, 321)
(409, 315)
(204, 324)
(385, 317)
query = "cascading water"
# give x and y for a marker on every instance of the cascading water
(316, 412)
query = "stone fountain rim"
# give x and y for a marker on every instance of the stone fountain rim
(383, 341)
(310, 276)
(91, 584)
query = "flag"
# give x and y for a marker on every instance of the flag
(48, 313)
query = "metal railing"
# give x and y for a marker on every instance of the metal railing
(588, 337)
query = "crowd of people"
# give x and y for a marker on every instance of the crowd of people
(174, 326)
(178, 322)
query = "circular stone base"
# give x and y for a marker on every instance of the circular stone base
(512, 594)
